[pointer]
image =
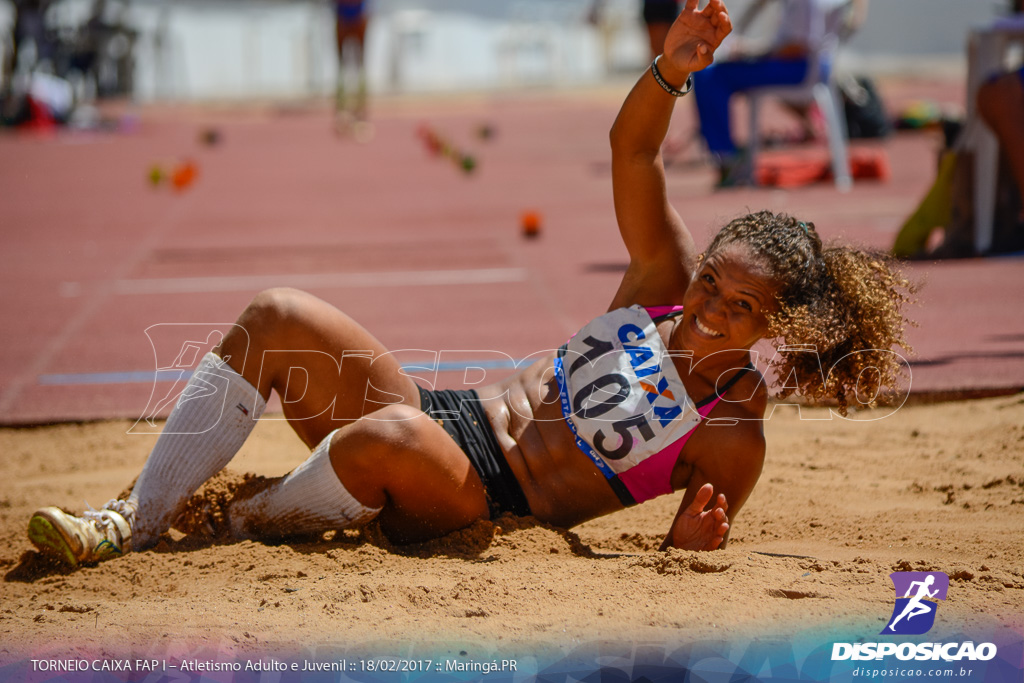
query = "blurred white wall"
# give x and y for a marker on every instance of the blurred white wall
(217, 49)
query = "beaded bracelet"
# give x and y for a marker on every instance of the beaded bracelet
(665, 86)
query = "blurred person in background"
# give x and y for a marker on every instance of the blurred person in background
(806, 28)
(950, 201)
(658, 16)
(29, 28)
(350, 100)
(1001, 106)
(30, 25)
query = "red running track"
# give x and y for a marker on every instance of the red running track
(106, 277)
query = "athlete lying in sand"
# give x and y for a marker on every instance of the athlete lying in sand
(614, 418)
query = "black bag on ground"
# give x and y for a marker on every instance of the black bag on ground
(865, 112)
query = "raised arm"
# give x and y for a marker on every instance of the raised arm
(661, 249)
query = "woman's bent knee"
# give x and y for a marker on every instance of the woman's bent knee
(273, 306)
(260, 323)
(378, 440)
(270, 319)
(399, 459)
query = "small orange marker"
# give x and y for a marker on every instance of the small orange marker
(530, 221)
(184, 175)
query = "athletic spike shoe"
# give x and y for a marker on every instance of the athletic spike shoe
(95, 536)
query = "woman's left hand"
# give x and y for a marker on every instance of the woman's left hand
(699, 529)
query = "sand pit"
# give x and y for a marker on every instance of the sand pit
(841, 504)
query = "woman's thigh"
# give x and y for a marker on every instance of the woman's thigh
(402, 461)
(328, 369)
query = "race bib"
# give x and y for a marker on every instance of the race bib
(620, 392)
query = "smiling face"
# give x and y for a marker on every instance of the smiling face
(727, 304)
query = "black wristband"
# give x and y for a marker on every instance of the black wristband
(687, 87)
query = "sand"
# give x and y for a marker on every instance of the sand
(841, 504)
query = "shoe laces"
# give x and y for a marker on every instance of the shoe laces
(102, 517)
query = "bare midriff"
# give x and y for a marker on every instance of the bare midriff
(561, 484)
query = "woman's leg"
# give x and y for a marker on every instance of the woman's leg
(328, 370)
(396, 462)
(211, 420)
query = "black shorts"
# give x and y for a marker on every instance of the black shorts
(660, 11)
(462, 416)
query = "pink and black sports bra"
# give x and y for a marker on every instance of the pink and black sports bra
(625, 403)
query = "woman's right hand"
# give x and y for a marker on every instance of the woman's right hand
(694, 37)
(695, 528)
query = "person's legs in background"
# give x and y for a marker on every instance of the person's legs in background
(713, 89)
(351, 89)
(1001, 106)
(658, 17)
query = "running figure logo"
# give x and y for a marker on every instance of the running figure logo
(914, 612)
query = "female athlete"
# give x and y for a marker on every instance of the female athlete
(655, 396)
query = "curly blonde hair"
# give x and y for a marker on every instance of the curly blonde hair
(844, 303)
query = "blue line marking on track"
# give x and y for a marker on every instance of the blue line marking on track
(135, 377)
(149, 376)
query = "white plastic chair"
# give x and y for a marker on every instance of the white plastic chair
(823, 92)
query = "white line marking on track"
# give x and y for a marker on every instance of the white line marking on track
(241, 283)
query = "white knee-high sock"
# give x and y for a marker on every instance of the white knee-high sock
(311, 499)
(215, 414)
